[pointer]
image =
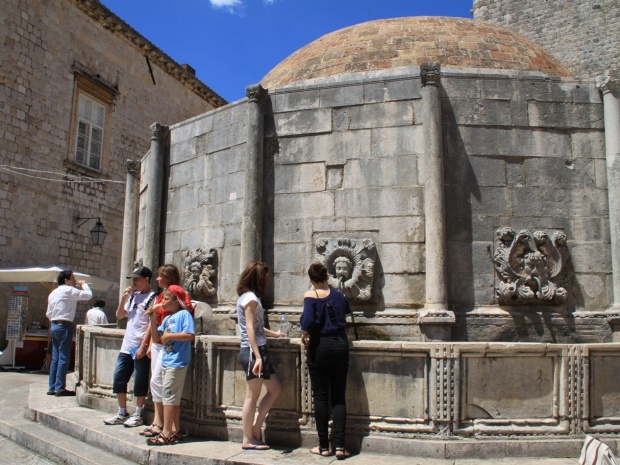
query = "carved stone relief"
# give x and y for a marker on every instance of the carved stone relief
(200, 269)
(531, 266)
(350, 264)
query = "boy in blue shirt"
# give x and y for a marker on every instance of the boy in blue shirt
(176, 333)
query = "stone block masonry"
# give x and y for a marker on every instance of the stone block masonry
(583, 35)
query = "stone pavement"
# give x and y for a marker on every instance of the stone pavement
(67, 433)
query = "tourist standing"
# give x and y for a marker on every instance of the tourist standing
(253, 354)
(132, 359)
(96, 315)
(176, 333)
(323, 323)
(61, 306)
(167, 275)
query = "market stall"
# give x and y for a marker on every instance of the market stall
(26, 343)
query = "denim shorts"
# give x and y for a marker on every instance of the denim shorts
(127, 366)
(247, 359)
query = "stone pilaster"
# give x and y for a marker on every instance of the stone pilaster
(252, 225)
(130, 221)
(609, 85)
(435, 319)
(154, 182)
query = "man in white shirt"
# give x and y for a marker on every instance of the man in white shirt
(96, 315)
(61, 306)
(132, 359)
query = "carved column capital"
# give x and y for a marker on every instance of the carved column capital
(132, 166)
(157, 131)
(430, 73)
(256, 93)
(609, 81)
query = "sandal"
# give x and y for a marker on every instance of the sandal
(161, 440)
(318, 450)
(341, 453)
(179, 436)
(151, 431)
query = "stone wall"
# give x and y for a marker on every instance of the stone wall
(583, 35)
(44, 42)
(440, 400)
(343, 164)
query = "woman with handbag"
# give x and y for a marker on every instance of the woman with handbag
(323, 332)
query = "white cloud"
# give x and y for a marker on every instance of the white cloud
(223, 3)
(229, 4)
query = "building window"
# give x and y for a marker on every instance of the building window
(93, 105)
(90, 133)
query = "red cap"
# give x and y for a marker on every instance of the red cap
(182, 297)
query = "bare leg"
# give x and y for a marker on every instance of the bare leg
(176, 419)
(122, 400)
(274, 388)
(140, 401)
(169, 420)
(158, 417)
(252, 391)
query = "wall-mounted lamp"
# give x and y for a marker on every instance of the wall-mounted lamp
(98, 232)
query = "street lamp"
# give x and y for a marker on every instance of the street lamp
(98, 232)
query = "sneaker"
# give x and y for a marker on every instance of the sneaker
(117, 419)
(134, 420)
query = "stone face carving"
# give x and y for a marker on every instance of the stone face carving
(531, 265)
(350, 264)
(200, 269)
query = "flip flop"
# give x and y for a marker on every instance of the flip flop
(318, 450)
(259, 446)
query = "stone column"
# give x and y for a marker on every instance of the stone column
(435, 319)
(153, 199)
(130, 221)
(252, 222)
(609, 84)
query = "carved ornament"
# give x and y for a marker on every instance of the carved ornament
(256, 93)
(132, 166)
(200, 269)
(609, 81)
(430, 73)
(350, 265)
(531, 266)
(157, 131)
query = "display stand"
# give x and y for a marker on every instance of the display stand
(16, 325)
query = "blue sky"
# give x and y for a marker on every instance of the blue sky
(234, 43)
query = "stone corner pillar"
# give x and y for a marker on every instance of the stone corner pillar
(435, 319)
(130, 221)
(253, 205)
(609, 85)
(153, 198)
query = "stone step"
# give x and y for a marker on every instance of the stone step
(55, 445)
(14, 453)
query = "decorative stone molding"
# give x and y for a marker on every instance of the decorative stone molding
(200, 269)
(430, 73)
(531, 266)
(350, 264)
(609, 81)
(256, 92)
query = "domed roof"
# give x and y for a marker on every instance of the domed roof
(392, 43)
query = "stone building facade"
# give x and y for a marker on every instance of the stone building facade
(584, 35)
(72, 73)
